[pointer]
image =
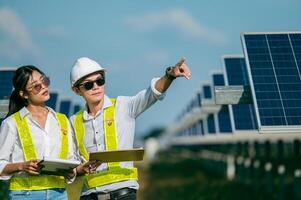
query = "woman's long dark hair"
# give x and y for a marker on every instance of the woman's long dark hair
(20, 79)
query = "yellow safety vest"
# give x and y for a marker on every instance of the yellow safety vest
(43, 181)
(115, 172)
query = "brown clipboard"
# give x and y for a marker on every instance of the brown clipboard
(118, 155)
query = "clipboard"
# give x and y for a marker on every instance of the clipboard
(57, 166)
(118, 155)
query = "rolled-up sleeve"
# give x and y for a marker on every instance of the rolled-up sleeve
(7, 141)
(144, 99)
(158, 95)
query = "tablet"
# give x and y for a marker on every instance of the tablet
(118, 155)
(57, 166)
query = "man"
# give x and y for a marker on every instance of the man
(109, 124)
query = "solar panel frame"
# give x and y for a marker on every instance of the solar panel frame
(270, 128)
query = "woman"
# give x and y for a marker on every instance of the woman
(30, 132)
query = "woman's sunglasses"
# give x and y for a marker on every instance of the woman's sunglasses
(37, 87)
(89, 84)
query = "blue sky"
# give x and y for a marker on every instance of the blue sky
(136, 41)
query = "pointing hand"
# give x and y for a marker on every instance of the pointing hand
(180, 70)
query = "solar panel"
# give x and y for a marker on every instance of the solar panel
(65, 107)
(235, 72)
(195, 129)
(222, 118)
(209, 122)
(207, 93)
(201, 127)
(6, 83)
(76, 108)
(273, 62)
(52, 102)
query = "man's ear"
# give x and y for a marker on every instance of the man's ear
(76, 90)
(23, 95)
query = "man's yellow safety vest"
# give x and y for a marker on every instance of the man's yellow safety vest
(115, 172)
(42, 181)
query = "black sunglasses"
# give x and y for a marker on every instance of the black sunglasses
(89, 84)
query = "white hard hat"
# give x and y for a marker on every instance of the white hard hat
(83, 67)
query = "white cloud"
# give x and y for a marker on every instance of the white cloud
(15, 40)
(56, 31)
(178, 20)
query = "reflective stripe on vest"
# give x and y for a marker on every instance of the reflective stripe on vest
(114, 173)
(80, 133)
(43, 181)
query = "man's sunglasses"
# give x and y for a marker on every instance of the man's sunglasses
(37, 87)
(89, 84)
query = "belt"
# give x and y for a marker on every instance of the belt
(108, 196)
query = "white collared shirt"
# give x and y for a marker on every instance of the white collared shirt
(127, 109)
(47, 141)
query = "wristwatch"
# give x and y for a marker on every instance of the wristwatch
(168, 75)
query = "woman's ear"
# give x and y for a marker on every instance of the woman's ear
(23, 95)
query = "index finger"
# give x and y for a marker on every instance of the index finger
(181, 61)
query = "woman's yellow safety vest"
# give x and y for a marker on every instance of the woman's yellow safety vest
(42, 181)
(115, 172)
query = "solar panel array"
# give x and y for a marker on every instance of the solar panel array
(274, 67)
(235, 72)
(271, 68)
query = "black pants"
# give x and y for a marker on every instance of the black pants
(114, 195)
(129, 196)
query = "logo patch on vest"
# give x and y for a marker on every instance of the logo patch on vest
(109, 122)
(64, 131)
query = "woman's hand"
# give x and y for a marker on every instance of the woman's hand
(88, 167)
(31, 167)
(70, 175)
